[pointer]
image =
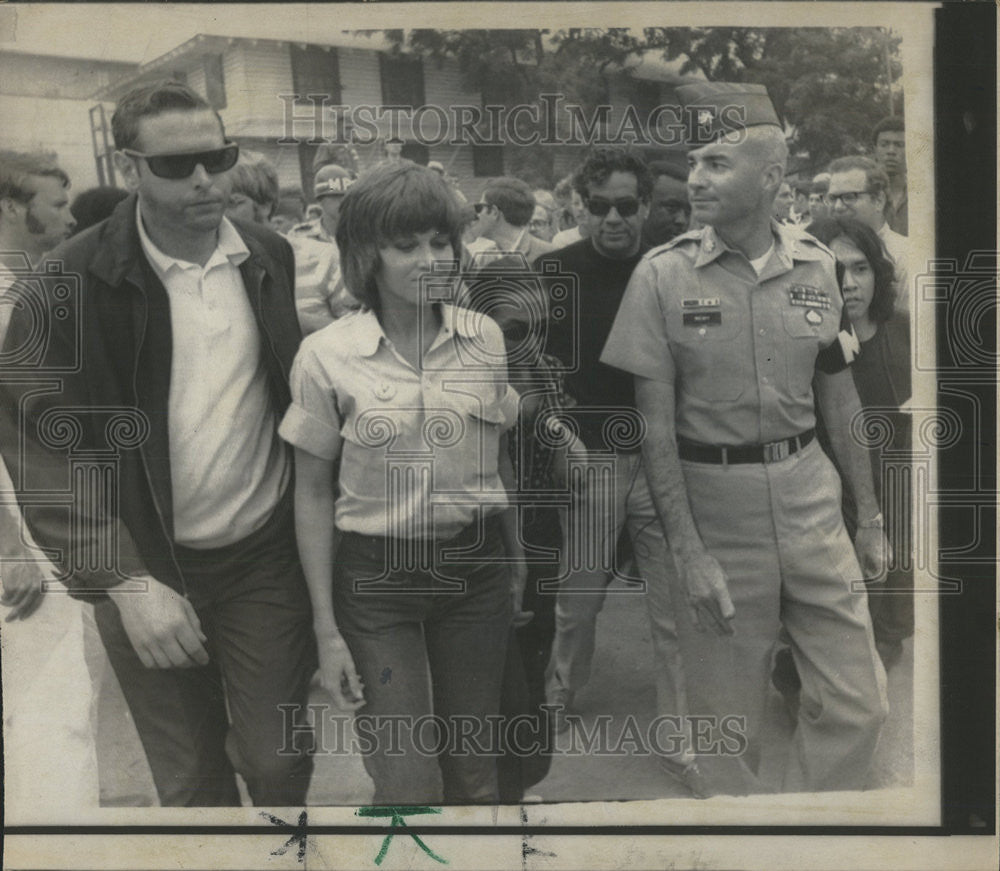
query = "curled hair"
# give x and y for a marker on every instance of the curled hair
(16, 167)
(601, 162)
(148, 101)
(890, 124)
(665, 167)
(254, 176)
(867, 241)
(386, 203)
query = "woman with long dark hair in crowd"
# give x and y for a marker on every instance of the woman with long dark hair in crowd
(882, 376)
(399, 420)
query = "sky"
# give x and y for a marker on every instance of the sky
(138, 33)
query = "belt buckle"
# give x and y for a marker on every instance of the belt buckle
(776, 451)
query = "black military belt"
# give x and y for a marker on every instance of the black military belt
(772, 452)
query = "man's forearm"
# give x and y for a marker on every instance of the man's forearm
(839, 405)
(655, 401)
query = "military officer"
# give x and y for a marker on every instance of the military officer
(729, 330)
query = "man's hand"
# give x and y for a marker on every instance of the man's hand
(708, 594)
(874, 552)
(338, 675)
(162, 625)
(22, 590)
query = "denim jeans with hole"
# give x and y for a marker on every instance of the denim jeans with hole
(429, 643)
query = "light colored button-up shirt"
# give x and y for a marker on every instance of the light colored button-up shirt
(740, 349)
(228, 468)
(419, 448)
(898, 247)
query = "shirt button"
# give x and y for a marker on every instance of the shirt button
(761, 331)
(764, 380)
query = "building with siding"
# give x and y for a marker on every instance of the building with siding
(65, 104)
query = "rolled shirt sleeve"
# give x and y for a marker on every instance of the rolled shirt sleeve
(638, 342)
(312, 422)
(510, 403)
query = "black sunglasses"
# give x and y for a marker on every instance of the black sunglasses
(182, 164)
(626, 206)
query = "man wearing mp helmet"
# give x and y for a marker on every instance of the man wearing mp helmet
(732, 334)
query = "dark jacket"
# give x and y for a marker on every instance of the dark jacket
(90, 348)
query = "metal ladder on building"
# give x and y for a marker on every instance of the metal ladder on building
(103, 148)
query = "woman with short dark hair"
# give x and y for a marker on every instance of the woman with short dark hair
(399, 418)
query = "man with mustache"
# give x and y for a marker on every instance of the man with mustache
(188, 325)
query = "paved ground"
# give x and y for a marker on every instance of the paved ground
(621, 684)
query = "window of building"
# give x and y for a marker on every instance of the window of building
(316, 70)
(402, 80)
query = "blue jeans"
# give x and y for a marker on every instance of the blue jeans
(425, 642)
(252, 601)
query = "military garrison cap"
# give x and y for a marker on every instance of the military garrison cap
(713, 109)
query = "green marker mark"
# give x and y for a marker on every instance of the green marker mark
(397, 814)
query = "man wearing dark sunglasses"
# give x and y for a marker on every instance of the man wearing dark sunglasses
(615, 187)
(503, 215)
(188, 324)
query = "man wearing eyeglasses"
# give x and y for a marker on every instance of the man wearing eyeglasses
(615, 187)
(859, 189)
(189, 326)
(729, 330)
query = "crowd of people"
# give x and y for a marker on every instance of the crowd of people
(406, 444)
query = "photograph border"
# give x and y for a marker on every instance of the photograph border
(964, 130)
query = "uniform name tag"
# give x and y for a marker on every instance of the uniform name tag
(700, 319)
(710, 302)
(806, 295)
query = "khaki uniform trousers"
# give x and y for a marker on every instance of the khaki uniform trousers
(777, 531)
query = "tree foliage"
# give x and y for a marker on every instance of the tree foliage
(829, 85)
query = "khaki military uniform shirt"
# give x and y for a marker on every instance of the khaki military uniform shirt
(740, 349)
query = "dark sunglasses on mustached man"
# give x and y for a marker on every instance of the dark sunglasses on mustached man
(181, 164)
(626, 206)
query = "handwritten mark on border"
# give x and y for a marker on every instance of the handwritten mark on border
(299, 836)
(396, 814)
